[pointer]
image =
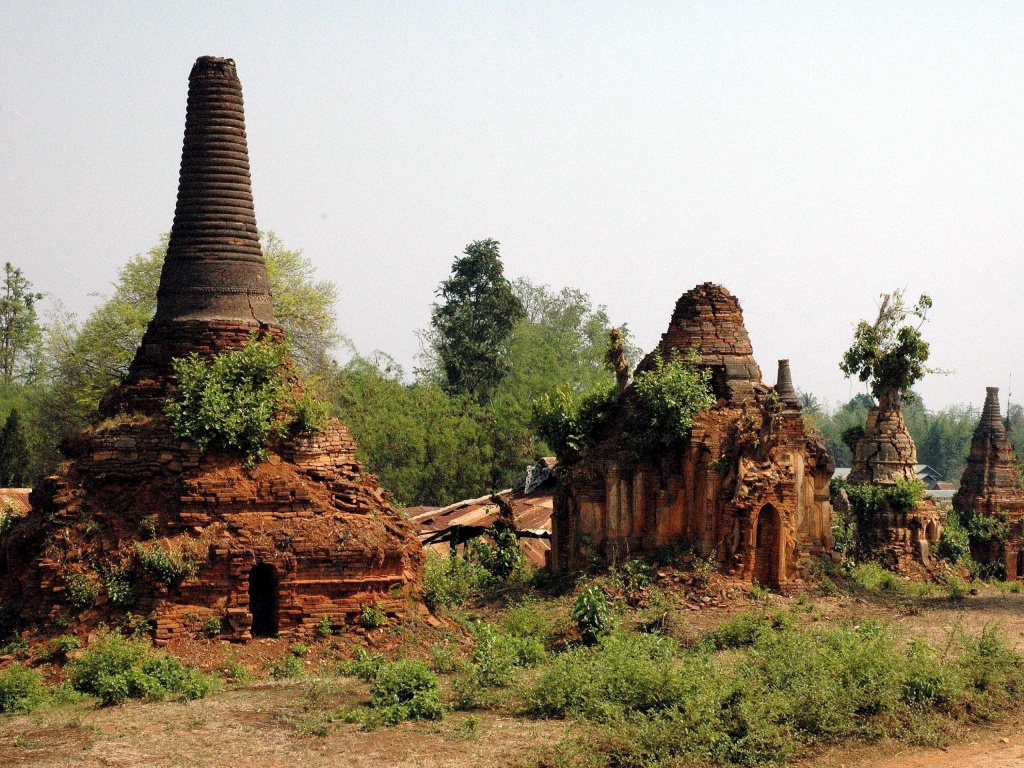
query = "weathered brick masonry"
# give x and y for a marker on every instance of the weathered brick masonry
(749, 489)
(269, 550)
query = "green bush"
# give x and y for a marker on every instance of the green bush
(212, 626)
(570, 423)
(500, 559)
(496, 654)
(663, 402)
(21, 689)
(406, 690)
(875, 578)
(289, 664)
(239, 400)
(363, 664)
(371, 617)
(116, 669)
(82, 590)
(451, 581)
(745, 629)
(167, 562)
(775, 699)
(591, 612)
(120, 590)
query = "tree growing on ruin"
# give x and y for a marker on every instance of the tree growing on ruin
(890, 354)
(471, 325)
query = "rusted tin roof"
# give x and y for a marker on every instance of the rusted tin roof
(471, 517)
(15, 499)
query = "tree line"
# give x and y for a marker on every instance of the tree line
(460, 425)
(463, 423)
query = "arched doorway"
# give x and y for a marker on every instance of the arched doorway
(263, 600)
(768, 546)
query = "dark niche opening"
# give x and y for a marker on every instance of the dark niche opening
(263, 600)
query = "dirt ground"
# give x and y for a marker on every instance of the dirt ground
(280, 724)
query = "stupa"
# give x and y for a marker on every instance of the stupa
(140, 524)
(749, 488)
(991, 487)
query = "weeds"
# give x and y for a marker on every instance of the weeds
(21, 689)
(116, 669)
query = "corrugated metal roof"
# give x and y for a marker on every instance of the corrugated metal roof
(16, 499)
(471, 517)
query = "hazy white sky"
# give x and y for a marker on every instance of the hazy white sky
(807, 155)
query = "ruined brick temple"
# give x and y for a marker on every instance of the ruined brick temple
(991, 487)
(885, 455)
(749, 488)
(139, 523)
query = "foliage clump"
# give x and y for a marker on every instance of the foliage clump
(239, 400)
(399, 690)
(887, 354)
(166, 561)
(657, 410)
(21, 689)
(115, 669)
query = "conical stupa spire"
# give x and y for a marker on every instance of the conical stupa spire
(214, 268)
(991, 421)
(213, 292)
(784, 386)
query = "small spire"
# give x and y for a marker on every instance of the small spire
(784, 386)
(990, 415)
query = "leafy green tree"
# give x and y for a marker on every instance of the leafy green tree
(427, 447)
(887, 354)
(19, 327)
(471, 326)
(14, 453)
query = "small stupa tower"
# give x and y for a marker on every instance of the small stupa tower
(214, 292)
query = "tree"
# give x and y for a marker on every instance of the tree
(470, 328)
(19, 328)
(14, 453)
(427, 447)
(888, 355)
(88, 359)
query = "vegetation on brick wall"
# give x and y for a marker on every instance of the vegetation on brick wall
(239, 400)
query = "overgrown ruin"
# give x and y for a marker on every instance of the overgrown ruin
(991, 488)
(884, 456)
(139, 524)
(748, 489)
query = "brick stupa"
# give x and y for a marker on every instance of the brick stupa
(140, 524)
(749, 489)
(991, 486)
(886, 455)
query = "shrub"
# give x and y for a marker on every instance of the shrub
(499, 559)
(239, 400)
(323, 629)
(120, 590)
(363, 664)
(405, 690)
(212, 626)
(82, 590)
(664, 401)
(450, 581)
(875, 578)
(746, 629)
(497, 654)
(58, 647)
(21, 689)
(591, 612)
(167, 562)
(372, 617)
(115, 669)
(570, 423)
(289, 664)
